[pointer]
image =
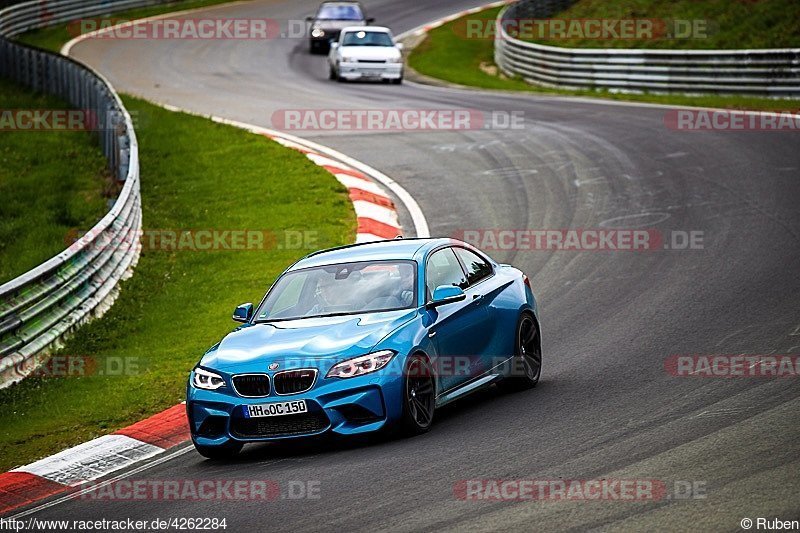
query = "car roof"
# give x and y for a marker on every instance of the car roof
(397, 249)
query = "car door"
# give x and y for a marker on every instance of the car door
(457, 329)
(483, 289)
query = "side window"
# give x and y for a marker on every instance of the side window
(443, 269)
(477, 267)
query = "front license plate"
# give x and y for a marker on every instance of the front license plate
(275, 409)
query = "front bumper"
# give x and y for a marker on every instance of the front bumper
(325, 40)
(335, 406)
(360, 70)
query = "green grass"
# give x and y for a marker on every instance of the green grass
(195, 175)
(727, 23)
(50, 183)
(445, 54)
(55, 37)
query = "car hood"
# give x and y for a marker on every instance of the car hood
(294, 341)
(370, 52)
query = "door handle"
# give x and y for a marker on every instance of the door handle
(477, 296)
(432, 334)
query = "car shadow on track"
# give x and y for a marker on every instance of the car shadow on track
(453, 415)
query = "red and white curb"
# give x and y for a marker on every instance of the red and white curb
(67, 470)
(425, 28)
(367, 187)
(375, 211)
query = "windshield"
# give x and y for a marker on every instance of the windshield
(367, 38)
(343, 289)
(339, 12)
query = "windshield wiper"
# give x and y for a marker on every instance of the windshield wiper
(308, 316)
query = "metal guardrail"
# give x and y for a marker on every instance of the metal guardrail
(40, 307)
(769, 72)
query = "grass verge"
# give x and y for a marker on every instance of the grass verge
(53, 38)
(50, 181)
(445, 54)
(195, 175)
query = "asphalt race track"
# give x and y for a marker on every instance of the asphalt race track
(606, 407)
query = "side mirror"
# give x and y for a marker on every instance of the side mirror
(309, 19)
(399, 46)
(243, 313)
(370, 20)
(446, 294)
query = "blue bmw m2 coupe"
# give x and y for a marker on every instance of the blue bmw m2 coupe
(364, 338)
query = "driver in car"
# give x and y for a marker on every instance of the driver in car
(406, 293)
(325, 296)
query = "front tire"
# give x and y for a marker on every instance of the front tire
(419, 396)
(332, 74)
(221, 452)
(527, 361)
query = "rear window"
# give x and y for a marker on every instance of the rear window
(334, 12)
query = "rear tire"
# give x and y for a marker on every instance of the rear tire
(419, 396)
(526, 366)
(217, 453)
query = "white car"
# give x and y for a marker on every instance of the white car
(366, 52)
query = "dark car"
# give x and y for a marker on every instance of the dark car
(330, 19)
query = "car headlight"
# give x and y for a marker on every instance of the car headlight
(346, 59)
(395, 59)
(358, 366)
(203, 379)
(316, 32)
